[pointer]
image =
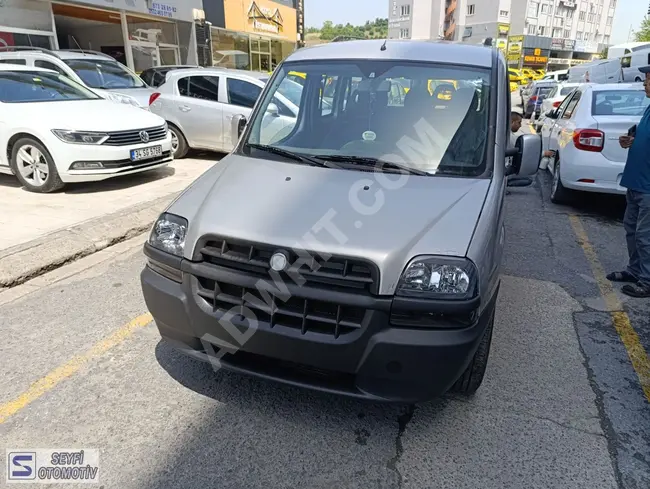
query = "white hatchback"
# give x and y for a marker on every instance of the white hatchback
(54, 131)
(584, 131)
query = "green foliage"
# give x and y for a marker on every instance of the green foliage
(643, 34)
(372, 29)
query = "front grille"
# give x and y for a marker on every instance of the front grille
(123, 138)
(313, 270)
(304, 315)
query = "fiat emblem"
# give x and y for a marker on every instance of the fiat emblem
(278, 262)
(144, 136)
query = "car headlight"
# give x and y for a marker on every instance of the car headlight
(168, 234)
(80, 137)
(123, 99)
(439, 278)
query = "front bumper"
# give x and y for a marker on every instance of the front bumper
(378, 362)
(116, 159)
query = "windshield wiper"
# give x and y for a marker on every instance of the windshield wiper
(290, 154)
(373, 162)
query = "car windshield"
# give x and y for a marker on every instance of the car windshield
(40, 86)
(106, 74)
(359, 110)
(620, 102)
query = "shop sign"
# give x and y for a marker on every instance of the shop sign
(162, 10)
(560, 44)
(535, 56)
(504, 29)
(515, 46)
(265, 19)
(586, 47)
(502, 45)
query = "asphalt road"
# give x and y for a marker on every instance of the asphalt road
(562, 405)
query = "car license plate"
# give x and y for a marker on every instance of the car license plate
(145, 153)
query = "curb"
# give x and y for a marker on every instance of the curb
(26, 261)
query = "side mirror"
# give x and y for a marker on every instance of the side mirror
(273, 110)
(238, 125)
(551, 114)
(528, 153)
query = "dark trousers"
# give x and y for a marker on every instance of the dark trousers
(637, 234)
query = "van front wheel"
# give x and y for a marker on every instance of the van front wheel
(472, 377)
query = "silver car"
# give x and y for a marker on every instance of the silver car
(199, 104)
(359, 251)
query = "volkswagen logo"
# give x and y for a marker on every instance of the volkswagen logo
(144, 136)
(279, 262)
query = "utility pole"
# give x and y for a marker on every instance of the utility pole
(629, 34)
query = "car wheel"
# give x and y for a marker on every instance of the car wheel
(34, 166)
(637, 79)
(179, 143)
(559, 193)
(472, 377)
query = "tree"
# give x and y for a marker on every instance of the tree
(643, 34)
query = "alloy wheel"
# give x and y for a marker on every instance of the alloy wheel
(32, 165)
(174, 141)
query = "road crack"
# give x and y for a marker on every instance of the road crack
(402, 421)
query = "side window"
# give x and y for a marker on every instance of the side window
(562, 107)
(39, 63)
(13, 61)
(158, 79)
(328, 92)
(626, 62)
(184, 86)
(242, 93)
(204, 87)
(146, 77)
(570, 108)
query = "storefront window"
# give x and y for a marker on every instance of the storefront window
(279, 51)
(13, 39)
(26, 14)
(148, 30)
(231, 49)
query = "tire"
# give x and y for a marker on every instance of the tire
(637, 79)
(39, 182)
(472, 377)
(179, 141)
(559, 193)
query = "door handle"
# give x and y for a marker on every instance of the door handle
(185, 108)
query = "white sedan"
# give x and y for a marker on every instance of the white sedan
(54, 131)
(584, 131)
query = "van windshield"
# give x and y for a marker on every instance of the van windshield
(360, 111)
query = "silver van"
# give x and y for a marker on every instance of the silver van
(358, 251)
(631, 63)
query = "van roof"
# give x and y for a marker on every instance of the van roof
(408, 50)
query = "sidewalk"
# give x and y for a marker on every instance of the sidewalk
(43, 231)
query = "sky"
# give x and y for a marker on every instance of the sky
(628, 12)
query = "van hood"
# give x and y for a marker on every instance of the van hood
(344, 212)
(89, 115)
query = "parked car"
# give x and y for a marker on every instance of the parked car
(198, 105)
(97, 71)
(558, 76)
(631, 63)
(517, 76)
(54, 131)
(531, 74)
(154, 77)
(584, 130)
(533, 101)
(557, 95)
(395, 300)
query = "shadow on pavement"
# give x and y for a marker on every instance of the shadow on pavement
(243, 442)
(9, 181)
(119, 183)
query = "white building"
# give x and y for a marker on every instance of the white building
(139, 33)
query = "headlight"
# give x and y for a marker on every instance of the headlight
(123, 99)
(168, 234)
(439, 278)
(80, 137)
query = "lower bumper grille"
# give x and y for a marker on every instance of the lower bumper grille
(305, 315)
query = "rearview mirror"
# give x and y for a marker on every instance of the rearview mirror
(273, 110)
(529, 153)
(238, 125)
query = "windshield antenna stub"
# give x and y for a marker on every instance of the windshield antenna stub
(383, 46)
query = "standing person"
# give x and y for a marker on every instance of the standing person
(636, 178)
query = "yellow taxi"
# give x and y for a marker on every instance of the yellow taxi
(517, 76)
(531, 74)
(513, 86)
